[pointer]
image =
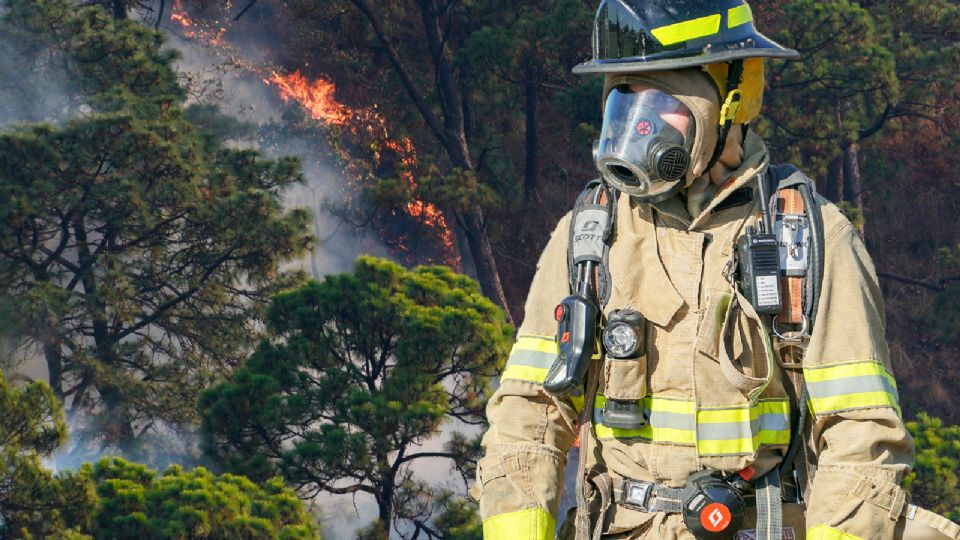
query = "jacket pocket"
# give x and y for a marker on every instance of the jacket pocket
(746, 354)
(625, 379)
(708, 332)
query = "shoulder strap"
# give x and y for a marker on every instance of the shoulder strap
(591, 234)
(799, 227)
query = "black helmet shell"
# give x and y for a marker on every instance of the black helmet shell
(653, 35)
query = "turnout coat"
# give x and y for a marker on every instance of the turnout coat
(670, 267)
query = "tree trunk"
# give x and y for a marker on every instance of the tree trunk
(853, 188)
(385, 497)
(532, 166)
(52, 354)
(836, 167)
(482, 253)
(451, 132)
(834, 188)
(118, 428)
(119, 9)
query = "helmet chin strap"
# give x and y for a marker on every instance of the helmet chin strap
(729, 109)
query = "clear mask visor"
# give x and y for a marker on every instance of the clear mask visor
(644, 146)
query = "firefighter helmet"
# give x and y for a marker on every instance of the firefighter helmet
(655, 35)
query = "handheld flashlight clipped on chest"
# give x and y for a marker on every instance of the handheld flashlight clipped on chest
(623, 342)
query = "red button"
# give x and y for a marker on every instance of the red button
(558, 313)
(565, 338)
(747, 473)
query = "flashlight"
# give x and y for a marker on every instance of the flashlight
(621, 337)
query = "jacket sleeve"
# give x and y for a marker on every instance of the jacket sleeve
(520, 478)
(862, 446)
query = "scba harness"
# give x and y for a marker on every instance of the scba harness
(775, 275)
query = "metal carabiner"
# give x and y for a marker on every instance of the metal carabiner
(802, 333)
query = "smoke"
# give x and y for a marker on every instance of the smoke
(213, 78)
(40, 92)
(30, 90)
(225, 81)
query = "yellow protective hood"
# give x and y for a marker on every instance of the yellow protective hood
(697, 91)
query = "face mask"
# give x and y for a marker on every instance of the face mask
(644, 146)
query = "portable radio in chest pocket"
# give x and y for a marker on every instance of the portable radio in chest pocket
(758, 260)
(758, 264)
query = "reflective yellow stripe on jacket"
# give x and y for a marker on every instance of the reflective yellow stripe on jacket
(853, 385)
(822, 532)
(531, 358)
(714, 431)
(530, 524)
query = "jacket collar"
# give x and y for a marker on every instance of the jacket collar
(755, 161)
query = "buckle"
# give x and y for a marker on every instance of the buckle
(636, 494)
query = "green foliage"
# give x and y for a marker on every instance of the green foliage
(137, 504)
(853, 214)
(459, 518)
(866, 67)
(934, 481)
(32, 500)
(115, 499)
(92, 60)
(136, 249)
(842, 85)
(364, 367)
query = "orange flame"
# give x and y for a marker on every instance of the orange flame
(317, 97)
(191, 30)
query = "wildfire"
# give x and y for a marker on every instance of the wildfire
(191, 30)
(314, 96)
(318, 99)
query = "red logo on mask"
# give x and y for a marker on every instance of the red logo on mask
(644, 127)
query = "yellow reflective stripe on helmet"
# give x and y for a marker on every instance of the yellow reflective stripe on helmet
(714, 431)
(530, 524)
(739, 15)
(823, 532)
(530, 359)
(686, 30)
(853, 385)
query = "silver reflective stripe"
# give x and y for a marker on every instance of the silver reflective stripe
(852, 385)
(537, 359)
(659, 419)
(741, 430)
(672, 420)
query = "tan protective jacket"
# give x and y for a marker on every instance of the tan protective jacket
(671, 269)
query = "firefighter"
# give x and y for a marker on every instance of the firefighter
(691, 405)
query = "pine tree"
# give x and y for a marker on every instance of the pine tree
(364, 367)
(135, 248)
(34, 501)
